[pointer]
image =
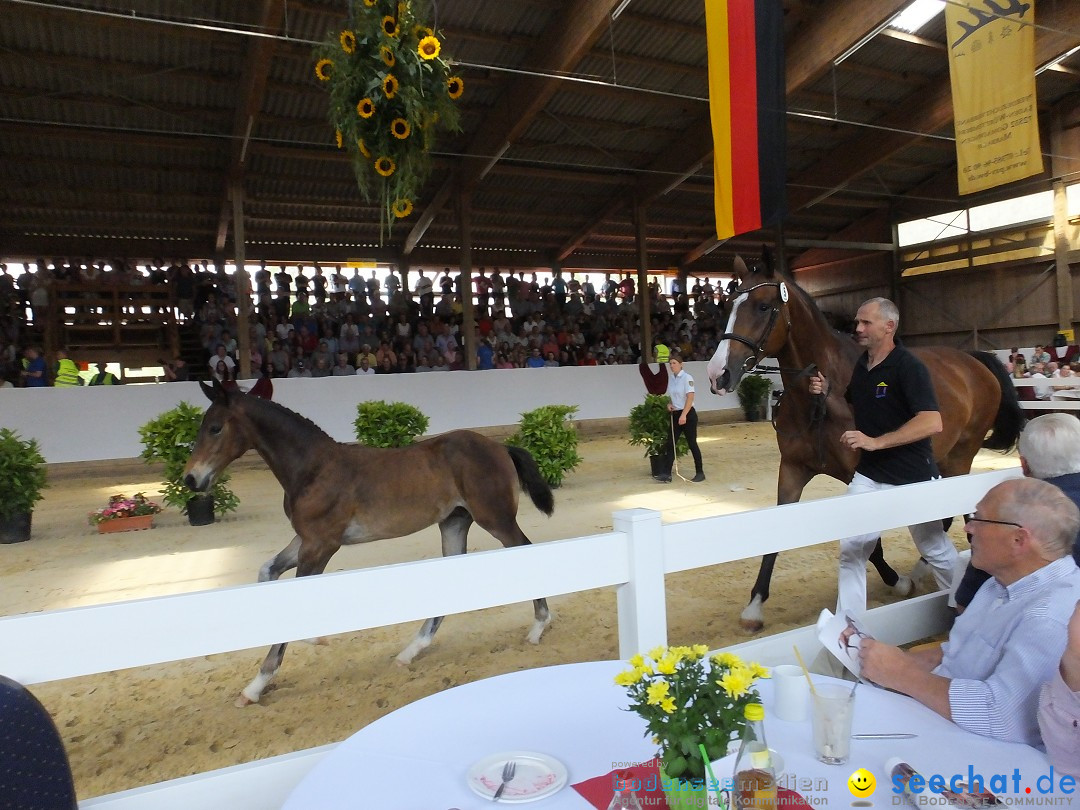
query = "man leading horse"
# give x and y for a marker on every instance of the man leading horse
(896, 413)
(771, 316)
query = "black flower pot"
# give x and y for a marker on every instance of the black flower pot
(656, 463)
(15, 528)
(200, 510)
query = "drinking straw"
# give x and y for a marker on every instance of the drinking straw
(805, 671)
(712, 776)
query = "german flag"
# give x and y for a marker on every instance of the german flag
(746, 102)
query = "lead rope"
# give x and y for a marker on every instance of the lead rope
(675, 449)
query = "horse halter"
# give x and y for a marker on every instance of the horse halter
(759, 347)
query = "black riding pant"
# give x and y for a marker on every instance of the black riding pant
(690, 431)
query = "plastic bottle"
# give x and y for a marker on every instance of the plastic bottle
(755, 777)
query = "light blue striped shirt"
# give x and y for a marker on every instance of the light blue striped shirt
(1004, 647)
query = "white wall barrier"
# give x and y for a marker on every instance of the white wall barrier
(85, 424)
(59, 644)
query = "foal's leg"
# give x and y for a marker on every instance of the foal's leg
(284, 560)
(510, 535)
(790, 483)
(455, 532)
(311, 561)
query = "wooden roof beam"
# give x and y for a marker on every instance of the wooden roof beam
(256, 71)
(831, 32)
(568, 38)
(930, 110)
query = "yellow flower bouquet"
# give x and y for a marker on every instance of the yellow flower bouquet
(687, 699)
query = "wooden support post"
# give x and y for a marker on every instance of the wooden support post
(243, 286)
(1061, 257)
(468, 318)
(644, 316)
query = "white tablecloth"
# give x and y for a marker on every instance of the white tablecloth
(416, 758)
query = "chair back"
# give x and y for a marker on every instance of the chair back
(34, 769)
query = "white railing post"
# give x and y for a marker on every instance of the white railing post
(642, 602)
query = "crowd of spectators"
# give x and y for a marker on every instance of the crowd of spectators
(317, 322)
(1047, 363)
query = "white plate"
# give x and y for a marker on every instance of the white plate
(537, 776)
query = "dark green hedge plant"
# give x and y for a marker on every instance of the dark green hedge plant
(551, 438)
(169, 438)
(388, 424)
(650, 426)
(22, 474)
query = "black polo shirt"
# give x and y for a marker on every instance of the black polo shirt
(883, 399)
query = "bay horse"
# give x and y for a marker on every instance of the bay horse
(771, 316)
(338, 494)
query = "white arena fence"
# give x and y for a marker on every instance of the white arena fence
(634, 559)
(1064, 396)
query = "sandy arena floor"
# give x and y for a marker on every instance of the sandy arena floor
(135, 727)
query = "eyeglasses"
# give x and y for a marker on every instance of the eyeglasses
(977, 519)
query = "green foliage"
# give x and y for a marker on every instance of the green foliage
(551, 439)
(753, 391)
(22, 474)
(353, 63)
(650, 426)
(169, 438)
(388, 424)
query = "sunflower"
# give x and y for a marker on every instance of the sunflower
(370, 3)
(363, 149)
(421, 31)
(323, 69)
(337, 138)
(365, 108)
(400, 129)
(390, 26)
(390, 85)
(348, 41)
(387, 56)
(428, 48)
(402, 208)
(455, 87)
(385, 166)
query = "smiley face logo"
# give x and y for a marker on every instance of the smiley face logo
(862, 784)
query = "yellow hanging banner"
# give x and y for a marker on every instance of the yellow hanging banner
(992, 70)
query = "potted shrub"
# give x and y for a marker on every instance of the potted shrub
(551, 438)
(650, 427)
(753, 393)
(388, 424)
(169, 438)
(22, 477)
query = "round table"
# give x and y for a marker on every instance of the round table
(416, 758)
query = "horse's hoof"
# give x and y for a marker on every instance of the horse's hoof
(904, 587)
(402, 662)
(751, 626)
(244, 701)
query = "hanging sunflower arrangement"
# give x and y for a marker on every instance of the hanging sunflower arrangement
(390, 85)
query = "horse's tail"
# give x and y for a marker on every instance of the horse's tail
(531, 479)
(1010, 416)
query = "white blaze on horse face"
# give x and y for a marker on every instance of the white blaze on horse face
(203, 474)
(719, 362)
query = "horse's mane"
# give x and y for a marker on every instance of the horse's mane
(280, 416)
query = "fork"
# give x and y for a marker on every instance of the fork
(507, 776)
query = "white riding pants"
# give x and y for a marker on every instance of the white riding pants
(933, 544)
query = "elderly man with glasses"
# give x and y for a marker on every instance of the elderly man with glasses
(986, 677)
